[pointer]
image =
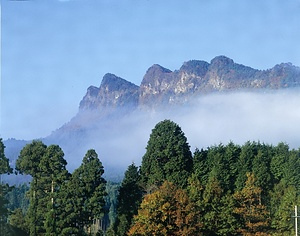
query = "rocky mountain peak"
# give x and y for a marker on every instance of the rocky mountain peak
(111, 82)
(196, 67)
(113, 92)
(221, 61)
(161, 86)
(155, 73)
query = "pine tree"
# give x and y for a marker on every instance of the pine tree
(244, 163)
(29, 163)
(54, 174)
(261, 169)
(279, 161)
(47, 167)
(84, 196)
(4, 188)
(168, 156)
(129, 199)
(217, 210)
(200, 165)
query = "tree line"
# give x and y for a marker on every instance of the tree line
(248, 189)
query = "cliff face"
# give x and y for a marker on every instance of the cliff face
(114, 92)
(162, 87)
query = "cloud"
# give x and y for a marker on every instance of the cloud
(269, 117)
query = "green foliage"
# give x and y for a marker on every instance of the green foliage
(110, 207)
(30, 157)
(17, 220)
(84, 196)
(4, 162)
(47, 167)
(168, 156)
(4, 188)
(17, 198)
(244, 163)
(173, 193)
(129, 199)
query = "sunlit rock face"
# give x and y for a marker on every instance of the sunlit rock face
(114, 92)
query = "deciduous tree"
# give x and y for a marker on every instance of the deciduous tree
(167, 211)
(253, 214)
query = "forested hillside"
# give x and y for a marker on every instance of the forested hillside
(225, 189)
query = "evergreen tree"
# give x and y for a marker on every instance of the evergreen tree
(47, 167)
(4, 162)
(232, 153)
(28, 163)
(129, 199)
(283, 200)
(244, 163)
(261, 170)
(279, 161)
(17, 221)
(291, 175)
(4, 188)
(84, 196)
(168, 156)
(217, 207)
(200, 165)
(53, 175)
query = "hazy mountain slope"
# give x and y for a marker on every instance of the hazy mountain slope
(117, 117)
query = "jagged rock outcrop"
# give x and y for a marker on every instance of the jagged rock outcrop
(114, 92)
(161, 86)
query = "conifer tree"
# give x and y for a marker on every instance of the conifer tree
(217, 210)
(84, 196)
(47, 167)
(29, 163)
(129, 199)
(4, 188)
(244, 163)
(168, 156)
(54, 174)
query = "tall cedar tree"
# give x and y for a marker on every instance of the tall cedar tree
(167, 211)
(54, 174)
(84, 196)
(217, 210)
(29, 163)
(129, 199)
(4, 188)
(214, 207)
(47, 167)
(168, 157)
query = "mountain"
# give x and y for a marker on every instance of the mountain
(109, 116)
(161, 86)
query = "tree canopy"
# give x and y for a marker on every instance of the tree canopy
(168, 156)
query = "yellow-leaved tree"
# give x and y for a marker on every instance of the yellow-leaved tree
(252, 213)
(167, 211)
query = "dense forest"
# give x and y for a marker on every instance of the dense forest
(232, 189)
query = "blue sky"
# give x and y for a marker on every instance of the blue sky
(53, 50)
